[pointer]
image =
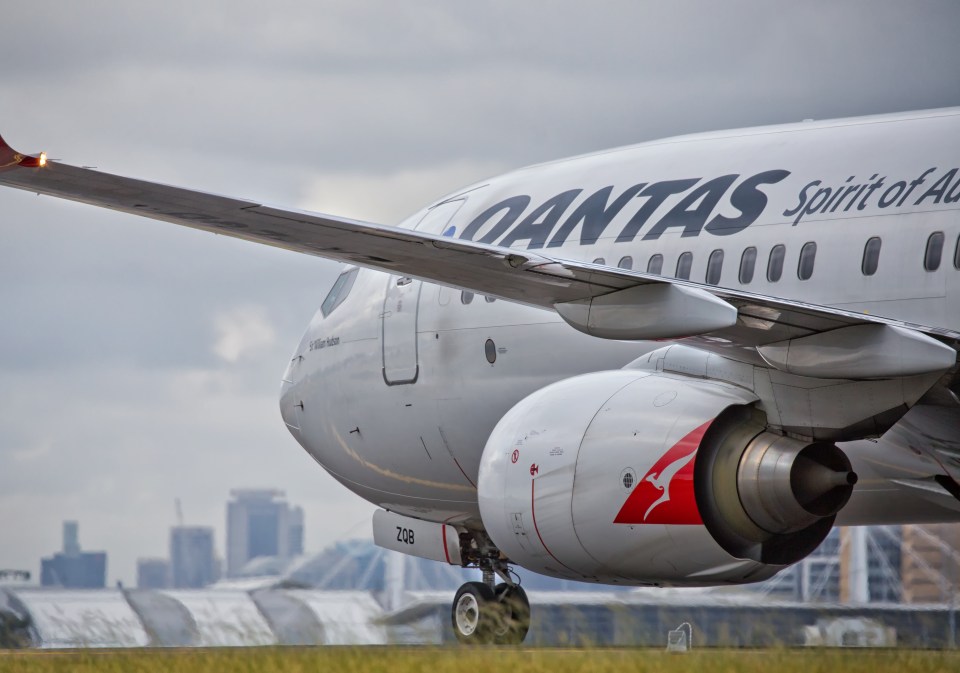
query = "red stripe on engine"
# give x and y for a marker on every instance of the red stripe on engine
(533, 515)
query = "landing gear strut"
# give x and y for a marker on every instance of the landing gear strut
(485, 614)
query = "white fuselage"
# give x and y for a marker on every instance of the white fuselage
(393, 392)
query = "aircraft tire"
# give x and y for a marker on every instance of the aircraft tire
(514, 614)
(474, 614)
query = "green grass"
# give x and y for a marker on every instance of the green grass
(459, 660)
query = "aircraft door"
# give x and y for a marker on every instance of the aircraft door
(401, 305)
(400, 364)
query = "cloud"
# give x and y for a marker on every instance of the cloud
(241, 332)
(38, 450)
(387, 198)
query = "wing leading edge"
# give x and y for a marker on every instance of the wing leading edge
(604, 301)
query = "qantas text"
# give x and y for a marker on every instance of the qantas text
(693, 213)
(552, 223)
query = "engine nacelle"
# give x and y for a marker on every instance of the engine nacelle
(638, 477)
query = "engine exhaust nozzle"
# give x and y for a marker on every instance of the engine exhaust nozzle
(786, 485)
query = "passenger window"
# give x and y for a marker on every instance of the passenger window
(683, 265)
(871, 256)
(808, 254)
(714, 267)
(625, 263)
(339, 291)
(956, 254)
(748, 262)
(599, 260)
(487, 298)
(655, 265)
(466, 297)
(775, 263)
(931, 259)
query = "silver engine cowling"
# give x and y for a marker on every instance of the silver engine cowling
(639, 477)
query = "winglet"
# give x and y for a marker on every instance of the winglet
(10, 158)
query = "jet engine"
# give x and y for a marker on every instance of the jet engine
(639, 477)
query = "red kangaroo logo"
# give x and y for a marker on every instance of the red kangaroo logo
(665, 495)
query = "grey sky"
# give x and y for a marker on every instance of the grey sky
(140, 362)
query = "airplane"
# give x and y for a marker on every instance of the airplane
(676, 363)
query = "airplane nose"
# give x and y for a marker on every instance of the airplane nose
(291, 403)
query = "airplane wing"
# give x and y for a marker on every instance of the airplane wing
(600, 300)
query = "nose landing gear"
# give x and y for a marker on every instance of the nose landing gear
(483, 614)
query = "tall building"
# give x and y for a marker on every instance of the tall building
(826, 575)
(72, 568)
(192, 561)
(814, 579)
(295, 532)
(153, 573)
(261, 523)
(931, 563)
(885, 557)
(879, 558)
(71, 538)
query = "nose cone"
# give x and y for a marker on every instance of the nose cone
(291, 402)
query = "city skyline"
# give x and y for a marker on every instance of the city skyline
(904, 564)
(177, 537)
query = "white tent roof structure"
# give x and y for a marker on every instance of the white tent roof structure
(225, 618)
(347, 617)
(91, 618)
